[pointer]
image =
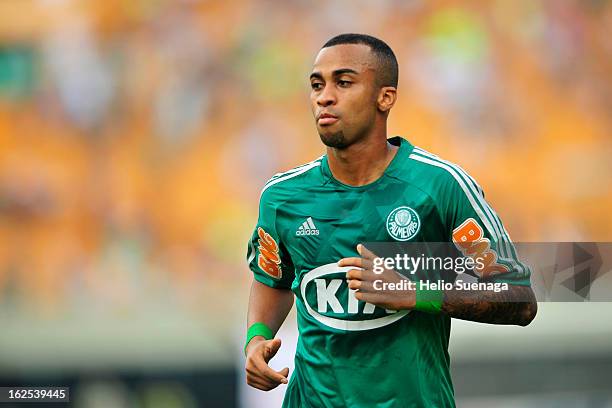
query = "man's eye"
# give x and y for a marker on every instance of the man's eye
(344, 84)
(316, 86)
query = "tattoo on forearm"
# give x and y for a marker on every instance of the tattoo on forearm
(514, 306)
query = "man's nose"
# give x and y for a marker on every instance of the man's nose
(326, 97)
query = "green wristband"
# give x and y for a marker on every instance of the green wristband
(429, 301)
(258, 329)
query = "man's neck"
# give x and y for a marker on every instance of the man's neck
(363, 162)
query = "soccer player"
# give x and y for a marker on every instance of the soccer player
(360, 345)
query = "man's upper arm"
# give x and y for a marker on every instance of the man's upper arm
(266, 255)
(478, 232)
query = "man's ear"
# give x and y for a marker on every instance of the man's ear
(386, 98)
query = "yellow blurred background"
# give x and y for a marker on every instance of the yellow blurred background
(135, 137)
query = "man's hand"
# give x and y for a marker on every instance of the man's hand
(259, 375)
(363, 281)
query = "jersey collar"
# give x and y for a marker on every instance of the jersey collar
(392, 170)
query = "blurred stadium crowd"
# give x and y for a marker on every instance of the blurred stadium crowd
(135, 135)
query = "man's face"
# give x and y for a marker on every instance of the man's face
(343, 93)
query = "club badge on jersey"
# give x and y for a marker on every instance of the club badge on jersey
(403, 223)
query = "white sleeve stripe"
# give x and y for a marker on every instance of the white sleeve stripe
(252, 254)
(506, 246)
(293, 170)
(472, 185)
(436, 157)
(459, 180)
(487, 219)
(506, 251)
(291, 175)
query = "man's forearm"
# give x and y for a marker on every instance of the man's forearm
(517, 305)
(268, 305)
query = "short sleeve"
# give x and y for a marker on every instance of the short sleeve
(266, 255)
(477, 232)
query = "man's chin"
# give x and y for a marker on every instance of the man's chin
(333, 139)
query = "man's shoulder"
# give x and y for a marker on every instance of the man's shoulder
(434, 174)
(287, 183)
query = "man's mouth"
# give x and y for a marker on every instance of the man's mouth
(327, 119)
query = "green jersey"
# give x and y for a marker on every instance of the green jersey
(351, 353)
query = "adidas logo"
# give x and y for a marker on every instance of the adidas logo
(307, 228)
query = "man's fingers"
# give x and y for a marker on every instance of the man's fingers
(354, 284)
(259, 373)
(354, 274)
(261, 384)
(356, 262)
(262, 372)
(373, 297)
(366, 253)
(352, 261)
(271, 347)
(361, 275)
(273, 376)
(255, 385)
(263, 369)
(285, 372)
(361, 286)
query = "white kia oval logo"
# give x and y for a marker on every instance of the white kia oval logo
(327, 299)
